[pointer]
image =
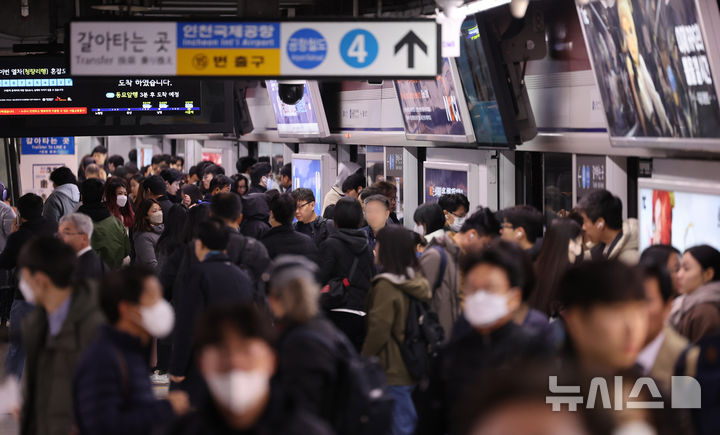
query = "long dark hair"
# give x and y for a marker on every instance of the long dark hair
(708, 257)
(197, 215)
(431, 215)
(142, 224)
(396, 251)
(173, 235)
(125, 214)
(552, 263)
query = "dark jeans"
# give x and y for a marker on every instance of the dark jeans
(352, 325)
(15, 359)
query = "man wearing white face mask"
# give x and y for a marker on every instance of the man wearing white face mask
(493, 282)
(112, 393)
(261, 178)
(455, 207)
(54, 335)
(236, 358)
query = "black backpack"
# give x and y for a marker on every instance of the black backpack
(423, 336)
(362, 402)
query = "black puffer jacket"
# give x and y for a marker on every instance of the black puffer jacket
(256, 215)
(284, 240)
(337, 254)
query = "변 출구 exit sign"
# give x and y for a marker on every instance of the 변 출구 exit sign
(292, 49)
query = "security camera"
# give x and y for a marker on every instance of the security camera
(291, 91)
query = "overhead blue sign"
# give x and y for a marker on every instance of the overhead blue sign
(48, 145)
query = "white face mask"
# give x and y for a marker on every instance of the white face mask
(156, 218)
(419, 229)
(269, 183)
(158, 319)
(457, 223)
(26, 291)
(575, 249)
(239, 390)
(121, 200)
(483, 308)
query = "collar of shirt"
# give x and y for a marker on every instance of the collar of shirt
(81, 252)
(57, 318)
(646, 358)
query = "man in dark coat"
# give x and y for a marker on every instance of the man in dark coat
(214, 280)
(156, 188)
(232, 344)
(55, 334)
(261, 178)
(256, 215)
(244, 251)
(30, 207)
(75, 230)
(112, 393)
(308, 222)
(282, 238)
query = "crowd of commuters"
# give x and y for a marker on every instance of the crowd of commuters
(267, 314)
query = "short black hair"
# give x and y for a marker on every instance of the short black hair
(246, 320)
(661, 274)
(116, 160)
(396, 252)
(378, 198)
(431, 215)
(526, 217)
(120, 171)
(50, 256)
(99, 149)
(658, 255)
(366, 193)
(30, 206)
(213, 169)
(386, 188)
(483, 221)
(220, 181)
(259, 170)
(170, 175)
(286, 170)
(453, 201)
(602, 204)
(176, 160)
(91, 191)
(226, 206)
(62, 175)
(708, 257)
(283, 208)
(593, 283)
(193, 171)
(155, 184)
(508, 257)
(132, 155)
(354, 182)
(126, 284)
(214, 234)
(244, 163)
(303, 194)
(348, 213)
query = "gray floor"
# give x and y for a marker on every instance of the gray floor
(8, 425)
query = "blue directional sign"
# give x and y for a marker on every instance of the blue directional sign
(359, 48)
(47, 145)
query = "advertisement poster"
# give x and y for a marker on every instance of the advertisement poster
(42, 185)
(652, 69)
(215, 157)
(307, 173)
(297, 119)
(439, 182)
(431, 107)
(590, 174)
(681, 219)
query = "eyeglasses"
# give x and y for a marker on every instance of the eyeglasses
(65, 233)
(303, 205)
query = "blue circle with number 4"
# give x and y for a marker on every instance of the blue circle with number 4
(307, 48)
(359, 48)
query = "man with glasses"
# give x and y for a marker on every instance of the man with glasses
(308, 222)
(455, 208)
(75, 230)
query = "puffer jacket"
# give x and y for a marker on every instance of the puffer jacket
(446, 298)
(627, 247)
(698, 314)
(389, 302)
(256, 215)
(145, 243)
(62, 201)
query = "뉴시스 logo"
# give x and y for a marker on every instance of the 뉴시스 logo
(684, 394)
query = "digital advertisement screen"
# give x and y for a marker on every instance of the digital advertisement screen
(298, 120)
(590, 174)
(38, 92)
(307, 173)
(681, 219)
(652, 68)
(477, 84)
(432, 107)
(439, 182)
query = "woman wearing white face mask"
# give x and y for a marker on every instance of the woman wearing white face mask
(429, 221)
(146, 231)
(486, 337)
(118, 202)
(237, 361)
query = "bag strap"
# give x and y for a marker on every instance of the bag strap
(443, 266)
(352, 269)
(124, 373)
